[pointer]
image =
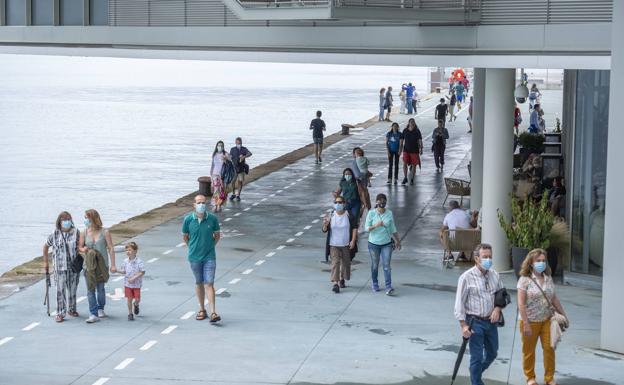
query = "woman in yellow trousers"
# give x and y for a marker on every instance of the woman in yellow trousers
(535, 313)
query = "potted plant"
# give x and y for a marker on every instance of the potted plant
(531, 144)
(529, 228)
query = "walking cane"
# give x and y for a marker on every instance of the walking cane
(460, 354)
(46, 300)
(513, 341)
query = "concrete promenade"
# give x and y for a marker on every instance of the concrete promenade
(281, 322)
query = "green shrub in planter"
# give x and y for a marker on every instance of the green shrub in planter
(532, 143)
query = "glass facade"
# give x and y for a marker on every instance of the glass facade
(589, 170)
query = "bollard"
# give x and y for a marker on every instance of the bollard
(345, 128)
(438, 90)
(205, 186)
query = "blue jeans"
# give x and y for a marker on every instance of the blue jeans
(410, 106)
(385, 252)
(98, 303)
(483, 347)
(354, 209)
(381, 113)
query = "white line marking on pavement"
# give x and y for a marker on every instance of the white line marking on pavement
(289, 240)
(260, 262)
(286, 188)
(299, 234)
(279, 191)
(293, 183)
(280, 247)
(122, 365)
(152, 260)
(221, 291)
(181, 244)
(316, 220)
(272, 195)
(299, 180)
(80, 299)
(169, 329)
(322, 215)
(247, 209)
(187, 315)
(53, 314)
(118, 278)
(101, 381)
(5, 340)
(248, 271)
(255, 204)
(269, 255)
(148, 344)
(227, 219)
(237, 214)
(168, 252)
(31, 326)
(234, 281)
(308, 227)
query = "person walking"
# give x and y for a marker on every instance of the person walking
(239, 155)
(439, 137)
(535, 121)
(536, 299)
(96, 240)
(403, 101)
(452, 102)
(317, 126)
(394, 147)
(388, 103)
(469, 118)
(383, 238)
(342, 230)
(382, 104)
(201, 233)
(476, 312)
(441, 111)
(64, 242)
(348, 190)
(517, 119)
(219, 194)
(534, 96)
(133, 270)
(412, 150)
(459, 92)
(409, 97)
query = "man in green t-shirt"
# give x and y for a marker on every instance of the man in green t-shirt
(201, 232)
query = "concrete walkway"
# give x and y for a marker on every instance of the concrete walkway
(281, 322)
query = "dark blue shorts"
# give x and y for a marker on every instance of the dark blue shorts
(204, 272)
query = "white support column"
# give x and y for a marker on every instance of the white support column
(611, 336)
(476, 165)
(498, 159)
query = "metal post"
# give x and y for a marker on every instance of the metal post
(2, 12)
(28, 5)
(86, 12)
(56, 12)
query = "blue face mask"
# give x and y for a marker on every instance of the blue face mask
(200, 208)
(539, 267)
(348, 178)
(486, 263)
(66, 224)
(87, 222)
(339, 206)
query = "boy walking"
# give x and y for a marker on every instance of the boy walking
(134, 270)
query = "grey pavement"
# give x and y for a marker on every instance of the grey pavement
(281, 322)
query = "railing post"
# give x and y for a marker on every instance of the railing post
(56, 12)
(86, 12)
(2, 12)
(28, 13)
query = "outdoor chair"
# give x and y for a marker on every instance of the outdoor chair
(457, 187)
(459, 240)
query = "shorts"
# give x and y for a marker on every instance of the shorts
(204, 272)
(318, 140)
(132, 292)
(411, 158)
(460, 98)
(240, 176)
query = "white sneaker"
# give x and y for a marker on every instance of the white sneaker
(92, 319)
(101, 313)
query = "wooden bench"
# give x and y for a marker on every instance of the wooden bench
(456, 187)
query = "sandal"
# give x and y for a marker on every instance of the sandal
(201, 315)
(532, 382)
(214, 317)
(59, 318)
(73, 313)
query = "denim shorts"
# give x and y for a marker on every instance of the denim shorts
(204, 272)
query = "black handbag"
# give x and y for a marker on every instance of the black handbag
(501, 299)
(75, 265)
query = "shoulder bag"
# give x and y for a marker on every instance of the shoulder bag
(558, 322)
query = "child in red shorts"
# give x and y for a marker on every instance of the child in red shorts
(134, 270)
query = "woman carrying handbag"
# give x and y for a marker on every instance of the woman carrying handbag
(541, 315)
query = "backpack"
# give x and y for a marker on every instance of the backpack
(228, 173)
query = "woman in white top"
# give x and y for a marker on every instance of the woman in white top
(536, 294)
(342, 232)
(219, 156)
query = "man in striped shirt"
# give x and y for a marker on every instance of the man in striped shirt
(476, 313)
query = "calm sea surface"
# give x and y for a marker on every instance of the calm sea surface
(127, 135)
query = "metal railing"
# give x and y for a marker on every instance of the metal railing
(284, 3)
(419, 4)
